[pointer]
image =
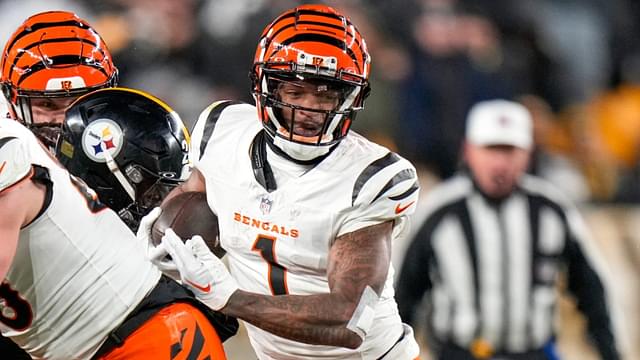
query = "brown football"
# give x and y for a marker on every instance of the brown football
(188, 214)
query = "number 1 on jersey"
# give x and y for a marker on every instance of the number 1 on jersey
(277, 276)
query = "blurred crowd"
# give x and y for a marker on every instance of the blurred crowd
(574, 63)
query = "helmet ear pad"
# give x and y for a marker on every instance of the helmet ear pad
(9, 95)
(6, 91)
(145, 138)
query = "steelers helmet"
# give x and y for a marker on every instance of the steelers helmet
(53, 55)
(313, 43)
(128, 146)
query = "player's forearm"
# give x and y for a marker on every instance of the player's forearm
(313, 319)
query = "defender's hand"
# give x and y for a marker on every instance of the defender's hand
(157, 254)
(146, 224)
(200, 270)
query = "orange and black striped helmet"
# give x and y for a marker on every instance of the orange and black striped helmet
(318, 43)
(54, 54)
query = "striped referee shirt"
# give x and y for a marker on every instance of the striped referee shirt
(490, 267)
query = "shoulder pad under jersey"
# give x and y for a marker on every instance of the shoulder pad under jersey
(204, 126)
(391, 183)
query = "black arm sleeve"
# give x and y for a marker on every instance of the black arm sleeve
(414, 280)
(586, 286)
(11, 350)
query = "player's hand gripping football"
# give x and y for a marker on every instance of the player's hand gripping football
(157, 254)
(200, 270)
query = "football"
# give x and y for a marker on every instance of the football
(188, 214)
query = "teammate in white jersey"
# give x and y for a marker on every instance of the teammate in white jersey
(76, 281)
(307, 211)
(72, 60)
(51, 58)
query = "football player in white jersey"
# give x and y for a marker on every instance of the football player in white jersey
(307, 210)
(71, 60)
(76, 282)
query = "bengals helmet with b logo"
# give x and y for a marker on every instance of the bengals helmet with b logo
(53, 54)
(312, 43)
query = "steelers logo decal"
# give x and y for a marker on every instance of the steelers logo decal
(100, 136)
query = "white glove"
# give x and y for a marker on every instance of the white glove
(156, 253)
(200, 270)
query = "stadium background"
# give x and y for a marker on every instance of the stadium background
(574, 63)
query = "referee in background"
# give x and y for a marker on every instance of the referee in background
(491, 248)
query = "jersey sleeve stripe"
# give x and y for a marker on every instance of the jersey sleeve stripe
(28, 176)
(5, 140)
(414, 187)
(211, 121)
(371, 170)
(324, 39)
(401, 176)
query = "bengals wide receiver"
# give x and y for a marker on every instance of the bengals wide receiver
(307, 210)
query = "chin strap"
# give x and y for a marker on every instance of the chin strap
(115, 170)
(261, 168)
(315, 161)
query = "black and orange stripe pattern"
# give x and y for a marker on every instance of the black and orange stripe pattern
(331, 45)
(55, 45)
(315, 30)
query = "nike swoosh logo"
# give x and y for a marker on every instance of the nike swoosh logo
(199, 287)
(400, 209)
(2, 166)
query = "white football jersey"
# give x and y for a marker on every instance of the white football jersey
(78, 270)
(278, 242)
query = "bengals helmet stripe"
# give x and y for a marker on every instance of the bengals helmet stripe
(323, 39)
(299, 12)
(346, 31)
(39, 26)
(58, 60)
(315, 24)
(55, 45)
(297, 22)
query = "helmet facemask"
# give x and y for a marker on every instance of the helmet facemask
(320, 111)
(150, 190)
(307, 114)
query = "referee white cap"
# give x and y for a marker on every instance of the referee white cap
(500, 122)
